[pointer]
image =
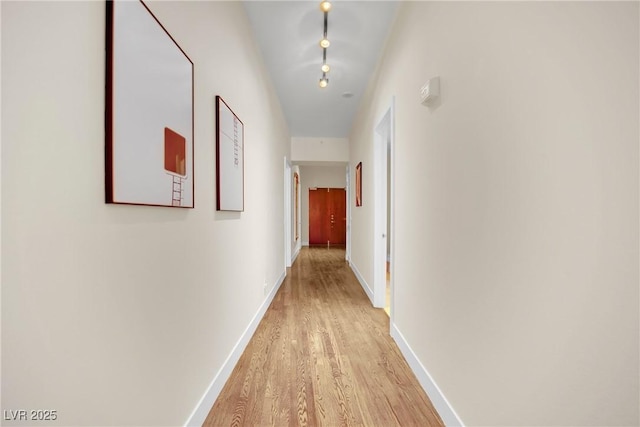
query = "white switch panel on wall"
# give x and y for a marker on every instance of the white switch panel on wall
(430, 90)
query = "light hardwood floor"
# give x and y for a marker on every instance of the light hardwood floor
(322, 356)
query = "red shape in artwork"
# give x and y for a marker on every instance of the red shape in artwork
(175, 152)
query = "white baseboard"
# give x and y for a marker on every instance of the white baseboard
(205, 404)
(440, 402)
(363, 282)
(305, 243)
(296, 252)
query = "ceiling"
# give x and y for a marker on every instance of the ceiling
(288, 34)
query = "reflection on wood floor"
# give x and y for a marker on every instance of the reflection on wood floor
(322, 355)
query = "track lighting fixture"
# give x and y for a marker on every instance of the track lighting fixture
(325, 7)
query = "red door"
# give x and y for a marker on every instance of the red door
(327, 216)
(317, 217)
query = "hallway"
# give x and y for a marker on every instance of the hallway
(513, 238)
(322, 355)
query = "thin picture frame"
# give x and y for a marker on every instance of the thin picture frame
(359, 184)
(229, 159)
(149, 146)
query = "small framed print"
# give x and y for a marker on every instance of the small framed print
(359, 184)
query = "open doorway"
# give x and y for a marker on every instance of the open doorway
(287, 214)
(387, 301)
(383, 239)
(347, 252)
(313, 177)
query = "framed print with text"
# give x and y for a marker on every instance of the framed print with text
(229, 159)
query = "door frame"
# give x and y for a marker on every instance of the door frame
(288, 177)
(384, 142)
(347, 252)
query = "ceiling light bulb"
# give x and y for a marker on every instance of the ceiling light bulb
(325, 6)
(323, 82)
(325, 68)
(324, 43)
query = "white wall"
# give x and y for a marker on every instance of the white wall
(319, 149)
(317, 176)
(122, 315)
(516, 203)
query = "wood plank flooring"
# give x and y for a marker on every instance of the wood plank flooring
(322, 356)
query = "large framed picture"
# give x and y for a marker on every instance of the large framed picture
(359, 184)
(229, 159)
(149, 111)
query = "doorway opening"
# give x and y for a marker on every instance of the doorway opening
(347, 252)
(387, 301)
(287, 214)
(383, 193)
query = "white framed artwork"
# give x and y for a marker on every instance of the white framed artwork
(229, 159)
(149, 111)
